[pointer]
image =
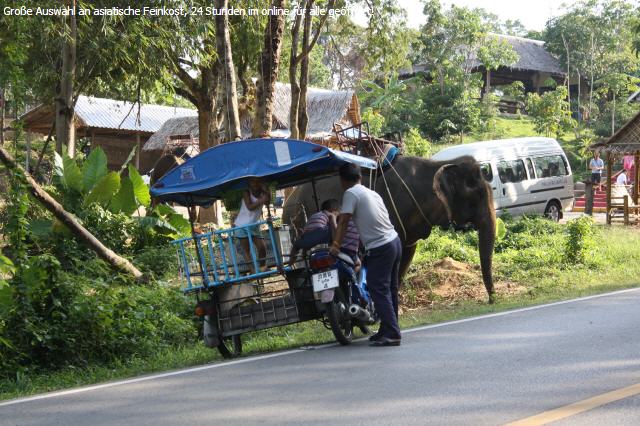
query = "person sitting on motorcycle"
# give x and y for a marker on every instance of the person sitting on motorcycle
(321, 227)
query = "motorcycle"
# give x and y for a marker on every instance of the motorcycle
(344, 293)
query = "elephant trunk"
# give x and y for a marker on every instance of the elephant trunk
(486, 241)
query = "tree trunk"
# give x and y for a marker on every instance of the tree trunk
(613, 114)
(205, 124)
(69, 221)
(303, 118)
(65, 129)
(225, 59)
(591, 85)
(566, 46)
(293, 78)
(2, 110)
(269, 64)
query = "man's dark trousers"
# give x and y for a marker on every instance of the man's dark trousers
(383, 264)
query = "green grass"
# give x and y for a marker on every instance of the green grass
(618, 268)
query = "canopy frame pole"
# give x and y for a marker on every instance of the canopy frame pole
(196, 241)
(315, 194)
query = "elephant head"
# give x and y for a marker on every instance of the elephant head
(467, 199)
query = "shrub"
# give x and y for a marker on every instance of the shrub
(580, 241)
(416, 145)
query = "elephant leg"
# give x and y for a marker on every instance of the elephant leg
(407, 257)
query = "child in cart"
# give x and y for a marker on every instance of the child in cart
(321, 227)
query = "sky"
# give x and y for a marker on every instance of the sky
(532, 13)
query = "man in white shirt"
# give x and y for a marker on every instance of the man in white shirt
(383, 250)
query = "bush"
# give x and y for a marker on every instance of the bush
(60, 319)
(416, 145)
(580, 242)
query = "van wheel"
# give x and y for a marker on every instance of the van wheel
(553, 211)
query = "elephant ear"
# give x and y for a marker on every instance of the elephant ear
(444, 186)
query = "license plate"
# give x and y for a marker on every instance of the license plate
(325, 280)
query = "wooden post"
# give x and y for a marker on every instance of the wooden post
(608, 183)
(626, 209)
(588, 198)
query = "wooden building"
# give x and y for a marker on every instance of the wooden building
(115, 126)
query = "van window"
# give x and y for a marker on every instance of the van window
(511, 171)
(487, 173)
(549, 166)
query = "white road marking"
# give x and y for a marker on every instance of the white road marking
(293, 351)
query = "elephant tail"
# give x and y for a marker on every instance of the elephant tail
(440, 191)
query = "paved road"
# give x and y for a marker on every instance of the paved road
(486, 370)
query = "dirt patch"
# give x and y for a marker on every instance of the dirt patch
(447, 282)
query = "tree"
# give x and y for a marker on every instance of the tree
(550, 112)
(452, 44)
(298, 117)
(225, 60)
(65, 127)
(268, 70)
(375, 52)
(592, 39)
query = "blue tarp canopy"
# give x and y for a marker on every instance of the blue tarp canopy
(287, 162)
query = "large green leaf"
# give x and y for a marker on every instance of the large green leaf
(125, 200)
(6, 294)
(94, 169)
(71, 174)
(129, 158)
(58, 165)
(181, 224)
(140, 189)
(104, 190)
(501, 229)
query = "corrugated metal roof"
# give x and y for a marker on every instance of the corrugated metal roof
(113, 114)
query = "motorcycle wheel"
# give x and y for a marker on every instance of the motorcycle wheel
(339, 319)
(230, 347)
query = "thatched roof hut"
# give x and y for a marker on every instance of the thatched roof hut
(324, 107)
(535, 65)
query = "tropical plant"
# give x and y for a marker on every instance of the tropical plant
(550, 112)
(89, 182)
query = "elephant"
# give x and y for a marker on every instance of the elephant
(420, 194)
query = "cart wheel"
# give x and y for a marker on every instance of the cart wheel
(210, 332)
(339, 319)
(230, 347)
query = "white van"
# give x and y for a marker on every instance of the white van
(528, 175)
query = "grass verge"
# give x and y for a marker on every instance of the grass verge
(618, 268)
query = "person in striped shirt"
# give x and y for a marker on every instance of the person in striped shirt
(321, 227)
